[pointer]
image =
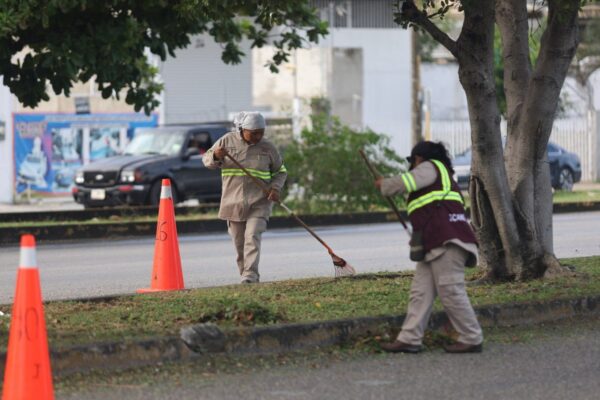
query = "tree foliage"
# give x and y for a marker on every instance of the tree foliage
(54, 43)
(328, 172)
(587, 58)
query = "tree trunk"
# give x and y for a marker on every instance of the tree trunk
(492, 207)
(526, 157)
(511, 194)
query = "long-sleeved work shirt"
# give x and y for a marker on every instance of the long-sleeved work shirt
(241, 198)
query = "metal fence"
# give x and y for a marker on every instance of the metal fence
(577, 135)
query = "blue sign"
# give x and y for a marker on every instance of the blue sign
(49, 148)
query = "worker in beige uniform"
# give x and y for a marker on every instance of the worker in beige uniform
(442, 242)
(244, 205)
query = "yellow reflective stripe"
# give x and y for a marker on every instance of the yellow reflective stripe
(411, 181)
(407, 183)
(233, 174)
(265, 175)
(282, 169)
(438, 195)
(260, 173)
(431, 197)
(251, 170)
(446, 186)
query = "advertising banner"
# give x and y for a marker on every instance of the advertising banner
(49, 148)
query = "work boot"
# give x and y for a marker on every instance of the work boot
(401, 347)
(459, 347)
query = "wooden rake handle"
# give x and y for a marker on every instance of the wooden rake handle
(265, 190)
(390, 201)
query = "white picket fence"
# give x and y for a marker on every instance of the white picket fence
(577, 135)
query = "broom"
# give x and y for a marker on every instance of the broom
(390, 201)
(341, 267)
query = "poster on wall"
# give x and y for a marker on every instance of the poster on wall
(49, 148)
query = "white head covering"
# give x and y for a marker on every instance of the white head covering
(250, 120)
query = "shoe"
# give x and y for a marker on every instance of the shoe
(401, 347)
(244, 281)
(459, 347)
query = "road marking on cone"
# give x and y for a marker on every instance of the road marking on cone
(27, 258)
(27, 255)
(165, 192)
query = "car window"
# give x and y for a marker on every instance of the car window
(167, 142)
(201, 141)
(466, 153)
(553, 148)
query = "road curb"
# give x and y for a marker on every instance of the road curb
(76, 231)
(203, 340)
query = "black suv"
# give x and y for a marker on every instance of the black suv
(134, 177)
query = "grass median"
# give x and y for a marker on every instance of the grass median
(139, 316)
(202, 213)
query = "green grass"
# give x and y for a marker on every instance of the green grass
(71, 322)
(110, 220)
(558, 197)
(581, 196)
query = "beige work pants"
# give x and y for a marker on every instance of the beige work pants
(246, 236)
(444, 276)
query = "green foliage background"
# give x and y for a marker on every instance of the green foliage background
(52, 44)
(330, 174)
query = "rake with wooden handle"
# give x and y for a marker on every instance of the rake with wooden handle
(390, 201)
(341, 267)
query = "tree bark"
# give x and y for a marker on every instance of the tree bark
(527, 163)
(492, 216)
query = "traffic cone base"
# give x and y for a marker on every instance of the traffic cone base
(166, 269)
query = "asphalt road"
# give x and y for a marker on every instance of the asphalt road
(96, 268)
(554, 363)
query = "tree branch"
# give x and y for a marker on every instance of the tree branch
(512, 21)
(411, 14)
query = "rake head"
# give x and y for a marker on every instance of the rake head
(341, 267)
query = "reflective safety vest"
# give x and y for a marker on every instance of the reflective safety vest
(437, 211)
(445, 193)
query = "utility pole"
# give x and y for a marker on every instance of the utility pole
(417, 129)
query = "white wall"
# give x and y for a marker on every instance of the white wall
(200, 87)
(449, 102)
(6, 147)
(387, 79)
(447, 99)
(302, 76)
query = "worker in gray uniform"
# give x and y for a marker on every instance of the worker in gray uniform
(442, 243)
(244, 205)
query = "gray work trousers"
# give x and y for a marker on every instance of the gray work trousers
(443, 276)
(246, 236)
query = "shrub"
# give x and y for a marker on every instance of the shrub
(326, 172)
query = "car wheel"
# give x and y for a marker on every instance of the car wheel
(154, 196)
(565, 180)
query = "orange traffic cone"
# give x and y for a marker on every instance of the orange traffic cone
(166, 271)
(27, 374)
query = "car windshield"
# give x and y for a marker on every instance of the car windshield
(155, 141)
(466, 153)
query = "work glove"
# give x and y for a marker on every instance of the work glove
(273, 195)
(219, 153)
